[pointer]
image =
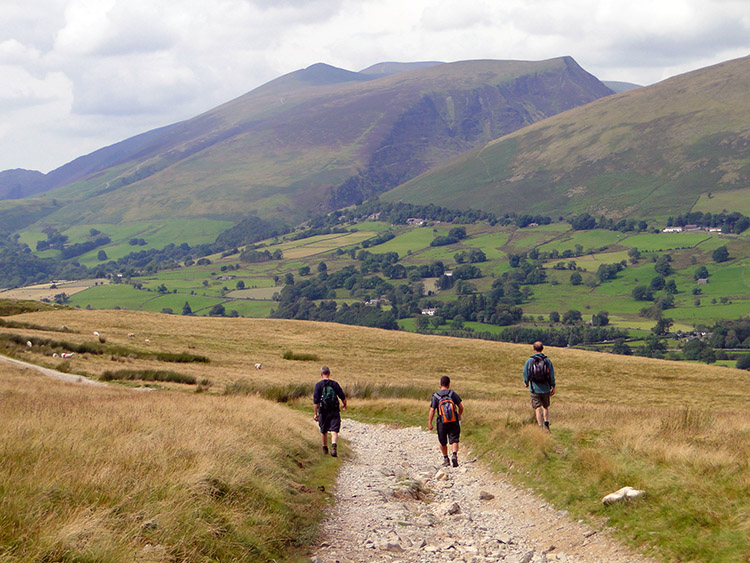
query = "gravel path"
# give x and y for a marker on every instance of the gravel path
(69, 377)
(395, 502)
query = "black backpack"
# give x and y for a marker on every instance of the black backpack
(328, 399)
(539, 369)
(447, 407)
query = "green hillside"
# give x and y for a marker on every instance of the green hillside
(649, 152)
(316, 139)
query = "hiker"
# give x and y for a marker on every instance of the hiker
(449, 409)
(539, 377)
(326, 408)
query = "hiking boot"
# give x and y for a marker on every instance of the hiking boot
(546, 425)
(446, 462)
(333, 451)
(454, 460)
(325, 450)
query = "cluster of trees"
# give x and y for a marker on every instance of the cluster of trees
(249, 230)
(734, 222)
(251, 256)
(586, 222)
(380, 238)
(454, 235)
(397, 214)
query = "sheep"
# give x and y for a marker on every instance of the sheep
(29, 344)
(258, 366)
(626, 493)
(131, 335)
(67, 354)
(147, 341)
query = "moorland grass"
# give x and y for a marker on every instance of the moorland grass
(674, 429)
(106, 474)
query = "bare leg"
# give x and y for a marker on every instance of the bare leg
(444, 449)
(540, 415)
(454, 447)
(324, 435)
(334, 437)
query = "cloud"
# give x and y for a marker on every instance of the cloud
(74, 73)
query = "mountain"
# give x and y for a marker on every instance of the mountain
(618, 87)
(649, 152)
(313, 140)
(388, 68)
(19, 183)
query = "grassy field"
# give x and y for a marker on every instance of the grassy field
(216, 283)
(669, 428)
(110, 474)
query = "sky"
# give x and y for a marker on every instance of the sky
(78, 75)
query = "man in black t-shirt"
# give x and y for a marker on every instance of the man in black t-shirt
(326, 395)
(447, 404)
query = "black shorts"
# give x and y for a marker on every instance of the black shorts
(449, 432)
(329, 421)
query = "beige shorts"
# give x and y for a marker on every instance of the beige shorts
(539, 400)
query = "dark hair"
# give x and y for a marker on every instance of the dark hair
(538, 346)
(325, 371)
(445, 381)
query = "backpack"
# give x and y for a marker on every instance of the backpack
(447, 408)
(328, 399)
(539, 369)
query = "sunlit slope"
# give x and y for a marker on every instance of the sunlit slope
(643, 153)
(315, 139)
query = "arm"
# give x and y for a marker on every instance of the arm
(429, 421)
(460, 410)
(526, 373)
(551, 377)
(316, 402)
(340, 393)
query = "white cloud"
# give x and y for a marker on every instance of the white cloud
(76, 75)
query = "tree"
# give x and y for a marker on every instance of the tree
(322, 267)
(217, 310)
(304, 271)
(422, 322)
(642, 293)
(657, 283)
(289, 279)
(576, 278)
(662, 326)
(162, 289)
(554, 317)
(700, 273)
(620, 347)
(101, 256)
(600, 319)
(571, 317)
(240, 284)
(186, 309)
(743, 362)
(662, 265)
(721, 254)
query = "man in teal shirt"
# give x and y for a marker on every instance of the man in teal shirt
(539, 377)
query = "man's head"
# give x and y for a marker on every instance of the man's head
(445, 381)
(538, 346)
(325, 372)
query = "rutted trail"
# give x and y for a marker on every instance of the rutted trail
(394, 502)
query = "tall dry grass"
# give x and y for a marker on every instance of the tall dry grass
(108, 474)
(677, 430)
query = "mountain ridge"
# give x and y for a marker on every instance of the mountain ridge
(314, 139)
(646, 152)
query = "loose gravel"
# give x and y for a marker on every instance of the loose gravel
(394, 502)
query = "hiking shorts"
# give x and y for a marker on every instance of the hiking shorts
(539, 400)
(449, 432)
(329, 421)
